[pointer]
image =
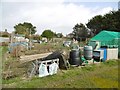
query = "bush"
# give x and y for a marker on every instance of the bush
(5, 35)
(4, 44)
(16, 52)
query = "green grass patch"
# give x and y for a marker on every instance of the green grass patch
(111, 62)
(104, 75)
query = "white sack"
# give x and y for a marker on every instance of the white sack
(43, 70)
(53, 68)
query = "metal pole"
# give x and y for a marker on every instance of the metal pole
(30, 39)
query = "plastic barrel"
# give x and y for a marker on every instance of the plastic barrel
(88, 52)
(105, 54)
(75, 57)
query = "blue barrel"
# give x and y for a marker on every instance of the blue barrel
(105, 54)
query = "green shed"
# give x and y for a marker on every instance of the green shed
(107, 38)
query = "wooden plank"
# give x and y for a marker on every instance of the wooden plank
(36, 55)
(28, 58)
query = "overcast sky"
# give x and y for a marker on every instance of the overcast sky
(58, 15)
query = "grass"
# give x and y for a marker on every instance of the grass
(104, 75)
(46, 47)
(3, 50)
(0, 64)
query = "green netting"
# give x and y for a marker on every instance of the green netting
(107, 38)
(119, 44)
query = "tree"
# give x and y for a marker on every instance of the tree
(4, 34)
(80, 31)
(25, 28)
(95, 24)
(48, 34)
(36, 37)
(59, 35)
(113, 18)
(109, 22)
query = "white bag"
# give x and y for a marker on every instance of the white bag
(43, 70)
(53, 68)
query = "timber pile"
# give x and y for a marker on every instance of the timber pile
(28, 58)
